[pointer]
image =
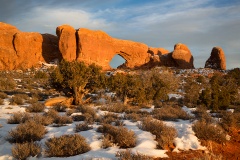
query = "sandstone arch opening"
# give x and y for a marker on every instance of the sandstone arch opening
(116, 61)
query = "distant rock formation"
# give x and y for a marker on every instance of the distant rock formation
(216, 60)
(22, 50)
(182, 56)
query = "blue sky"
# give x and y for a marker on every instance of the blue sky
(200, 24)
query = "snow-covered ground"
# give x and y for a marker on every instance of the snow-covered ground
(146, 145)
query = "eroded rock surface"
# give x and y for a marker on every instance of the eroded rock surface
(216, 60)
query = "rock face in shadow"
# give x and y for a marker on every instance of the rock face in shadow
(216, 60)
(99, 48)
(182, 56)
(67, 42)
(22, 50)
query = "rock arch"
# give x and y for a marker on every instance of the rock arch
(98, 47)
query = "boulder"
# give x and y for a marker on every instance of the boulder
(216, 60)
(67, 42)
(182, 56)
(99, 48)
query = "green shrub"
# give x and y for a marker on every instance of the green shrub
(82, 127)
(170, 113)
(40, 75)
(121, 136)
(27, 132)
(164, 134)
(22, 151)
(18, 117)
(35, 107)
(66, 145)
(209, 131)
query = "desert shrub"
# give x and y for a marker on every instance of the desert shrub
(16, 100)
(35, 107)
(70, 112)
(82, 127)
(170, 113)
(60, 107)
(119, 108)
(66, 145)
(51, 113)
(128, 155)
(164, 134)
(121, 136)
(57, 119)
(86, 109)
(62, 120)
(209, 131)
(202, 114)
(18, 117)
(32, 100)
(109, 118)
(229, 119)
(3, 95)
(40, 75)
(1, 101)
(134, 117)
(41, 119)
(22, 151)
(7, 83)
(27, 132)
(79, 117)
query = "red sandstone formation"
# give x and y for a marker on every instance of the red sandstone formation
(99, 48)
(21, 50)
(216, 60)
(182, 56)
(67, 42)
